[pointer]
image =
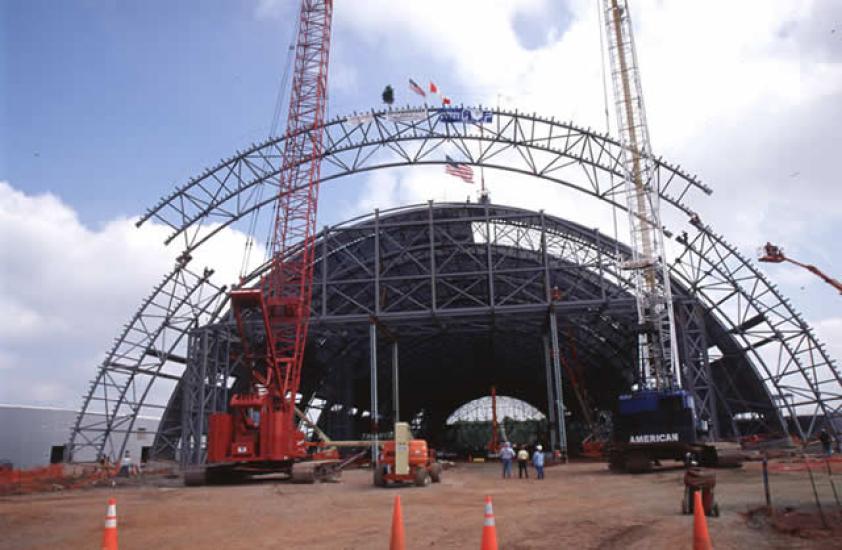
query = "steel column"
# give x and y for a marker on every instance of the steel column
(492, 301)
(325, 241)
(431, 227)
(562, 429)
(375, 428)
(395, 382)
(551, 425)
(697, 376)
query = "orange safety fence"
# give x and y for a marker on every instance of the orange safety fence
(801, 464)
(18, 481)
(24, 476)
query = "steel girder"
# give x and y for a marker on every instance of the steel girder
(800, 373)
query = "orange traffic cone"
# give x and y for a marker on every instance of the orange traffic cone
(398, 538)
(109, 535)
(701, 538)
(489, 529)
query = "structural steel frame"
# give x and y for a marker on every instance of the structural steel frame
(796, 368)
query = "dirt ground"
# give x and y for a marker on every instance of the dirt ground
(579, 506)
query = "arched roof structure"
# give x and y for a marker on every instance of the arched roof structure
(763, 345)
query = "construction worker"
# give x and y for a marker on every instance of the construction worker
(538, 461)
(523, 462)
(506, 455)
(824, 437)
(126, 466)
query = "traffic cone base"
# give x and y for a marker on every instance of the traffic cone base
(398, 541)
(489, 528)
(109, 534)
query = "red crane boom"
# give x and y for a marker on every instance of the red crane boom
(273, 317)
(288, 288)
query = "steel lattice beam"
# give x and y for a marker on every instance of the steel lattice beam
(772, 336)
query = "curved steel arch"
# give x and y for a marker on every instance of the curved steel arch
(579, 259)
(792, 359)
(552, 150)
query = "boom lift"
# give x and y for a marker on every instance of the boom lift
(775, 254)
(658, 419)
(406, 460)
(258, 434)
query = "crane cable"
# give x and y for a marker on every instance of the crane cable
(607, 122)
(277, 115)
(283, 88)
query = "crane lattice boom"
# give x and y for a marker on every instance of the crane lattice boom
(658, 356)
(273, 318)
(289, 286)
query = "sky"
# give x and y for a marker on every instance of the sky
(106, 106)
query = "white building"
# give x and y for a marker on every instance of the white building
(28, 434)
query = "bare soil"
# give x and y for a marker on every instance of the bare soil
(580, 506)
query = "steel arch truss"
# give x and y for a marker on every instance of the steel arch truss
(148, 353)
(764, 326)
(514, 142)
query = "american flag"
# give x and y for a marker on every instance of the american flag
(416, 88)
(459, 170)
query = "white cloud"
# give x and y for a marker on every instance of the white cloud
(65, 289)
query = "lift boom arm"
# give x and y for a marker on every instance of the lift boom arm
(775, 254)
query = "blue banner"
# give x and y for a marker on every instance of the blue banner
(459, 114)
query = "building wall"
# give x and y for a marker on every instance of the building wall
(28, 433)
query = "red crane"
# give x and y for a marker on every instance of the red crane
(494, 443)
(259, 432)
(775, 254)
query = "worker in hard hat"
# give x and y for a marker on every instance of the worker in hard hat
(824, 438)
(506, 456)
(538, 461)
(126, 466)
(523, 463)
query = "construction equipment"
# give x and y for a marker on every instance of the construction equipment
(699, 480)
(406, 460)
(494, 442)
(775, 254)
(258, 433)
(594, 442)
(658, 419)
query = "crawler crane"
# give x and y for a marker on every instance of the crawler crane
(657, 420)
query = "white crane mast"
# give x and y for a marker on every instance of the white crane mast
(657, 351)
